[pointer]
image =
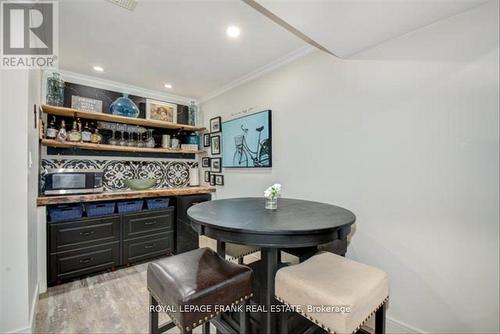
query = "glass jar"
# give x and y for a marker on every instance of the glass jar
(123, 106)
(55, 90)
(271, 203)
(193, 114)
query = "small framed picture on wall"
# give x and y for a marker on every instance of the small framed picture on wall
(216, 165)
(215, 145)
(205, 162)
(215, 124)
(207, 176)
(212, 179)
(219, 180)
(206, 140)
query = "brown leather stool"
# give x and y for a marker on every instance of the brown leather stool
(194, 287)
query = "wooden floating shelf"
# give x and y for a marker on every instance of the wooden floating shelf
(117, 195)
(105, 147)
(69, 112)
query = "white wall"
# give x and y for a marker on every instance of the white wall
(1, 199)
(34, 98)
(18, 238)
(406, 136)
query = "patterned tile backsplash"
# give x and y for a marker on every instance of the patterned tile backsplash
(171, 174)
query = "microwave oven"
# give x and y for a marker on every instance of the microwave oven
(63, 181)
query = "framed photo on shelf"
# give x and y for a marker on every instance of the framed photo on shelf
(215, 144)
(212, 179)
(205, 162)
(216, 165)
(206, 140)
(215, 124)
(219, 180)
(161, 111)
(207, 176)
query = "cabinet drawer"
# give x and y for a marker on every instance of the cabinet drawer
(147, 223)
(147, 247)
(83, 261)
(83, 233)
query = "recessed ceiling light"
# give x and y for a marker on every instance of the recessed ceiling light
(168, 85)
(98, 69)
(233, 31)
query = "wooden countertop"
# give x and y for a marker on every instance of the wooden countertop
(117, 195)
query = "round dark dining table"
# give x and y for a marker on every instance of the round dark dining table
(295, 224)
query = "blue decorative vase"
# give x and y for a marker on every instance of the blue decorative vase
(123, 106)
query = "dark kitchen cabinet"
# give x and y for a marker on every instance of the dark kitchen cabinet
(147, 223)
(148, 234)
(186, 238)
(147, 247)
(82, 261)
(83, 233)
(89, 245)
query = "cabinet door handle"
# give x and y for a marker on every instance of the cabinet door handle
(149, 246)
(86, 260)
(86, 234)
(150, 223)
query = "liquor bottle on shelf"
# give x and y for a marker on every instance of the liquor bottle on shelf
(86, 133)
(79, 124)
(51, 129)
(62, 135)
(74, 135)
(96, 137)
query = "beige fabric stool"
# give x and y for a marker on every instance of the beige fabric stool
(331, 280)
(233, 251)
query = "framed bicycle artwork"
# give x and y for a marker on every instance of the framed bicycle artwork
(247, 141)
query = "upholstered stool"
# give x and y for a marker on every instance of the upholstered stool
(233, 251)
(200, 281)
(332, 280)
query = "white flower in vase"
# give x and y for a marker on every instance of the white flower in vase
(272, 193)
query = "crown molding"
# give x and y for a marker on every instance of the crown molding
(96, 82)
(297, 54)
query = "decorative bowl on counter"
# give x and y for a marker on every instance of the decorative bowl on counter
(140, 184)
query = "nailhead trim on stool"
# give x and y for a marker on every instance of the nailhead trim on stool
(201, 321)
(310, 318)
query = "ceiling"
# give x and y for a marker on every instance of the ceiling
(184, 42)
(346, 27)
(181, 42)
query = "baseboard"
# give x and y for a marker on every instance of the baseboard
(399, 327)
(22, 331)
(34, 306)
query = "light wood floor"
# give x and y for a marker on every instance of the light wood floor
(111, 302)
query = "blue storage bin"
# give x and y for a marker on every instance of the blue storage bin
(130, 206)
(157, 203)
(65, 212)
(99, 209)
